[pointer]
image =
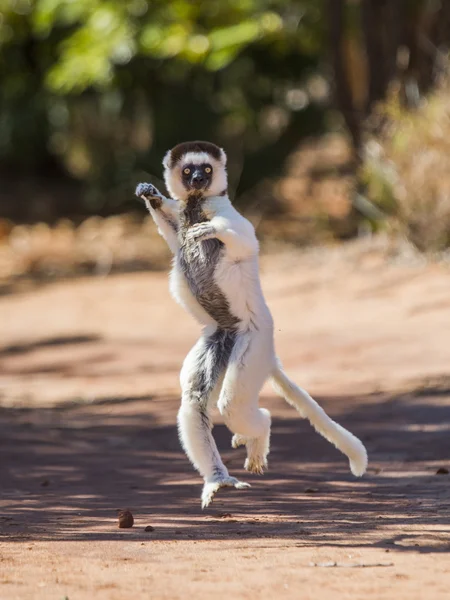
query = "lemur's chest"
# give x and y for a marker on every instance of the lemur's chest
(198, 262)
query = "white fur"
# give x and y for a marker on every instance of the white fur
(253, 358)
(197, 158)
(164, 229)
(344, 441)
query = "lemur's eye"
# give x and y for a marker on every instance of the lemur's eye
(186, 171)
(208, 170)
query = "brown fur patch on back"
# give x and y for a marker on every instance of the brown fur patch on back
(177, 153)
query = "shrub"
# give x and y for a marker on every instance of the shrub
(407, 169)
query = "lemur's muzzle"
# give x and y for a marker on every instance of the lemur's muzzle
(198, 180)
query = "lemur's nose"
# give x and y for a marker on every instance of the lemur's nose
(197, 177)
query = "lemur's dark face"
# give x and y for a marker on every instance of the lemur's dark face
(195, 168)
(197, 177)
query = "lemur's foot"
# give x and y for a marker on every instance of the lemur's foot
(150, 193)
(257, 458)
(211, 488)
(256, 464)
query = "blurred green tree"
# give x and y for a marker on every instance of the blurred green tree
(99, 89)
(93, 92)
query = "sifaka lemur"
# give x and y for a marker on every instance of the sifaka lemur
(215, 276)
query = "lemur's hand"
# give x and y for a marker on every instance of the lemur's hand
(148, 192)
(200, 232)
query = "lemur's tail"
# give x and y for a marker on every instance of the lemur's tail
(344, 441)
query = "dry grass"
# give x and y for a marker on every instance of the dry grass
(408, 170)
(315, 193)
(96, 246)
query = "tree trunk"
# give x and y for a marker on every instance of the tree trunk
(342, 89)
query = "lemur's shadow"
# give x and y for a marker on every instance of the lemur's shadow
(66, 470)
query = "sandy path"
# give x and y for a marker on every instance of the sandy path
(88, 384)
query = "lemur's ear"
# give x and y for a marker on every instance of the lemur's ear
(167, 160)
(223, 157)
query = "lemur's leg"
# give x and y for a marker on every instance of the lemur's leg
(164, 212)
(250, 365)
(200, 377)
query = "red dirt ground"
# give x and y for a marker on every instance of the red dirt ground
(88, 402)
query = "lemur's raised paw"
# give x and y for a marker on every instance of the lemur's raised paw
(150, 193)
(211, 488)
(200, 232)
(147, 190)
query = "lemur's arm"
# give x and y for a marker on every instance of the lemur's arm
(164, 212)
(231, 228)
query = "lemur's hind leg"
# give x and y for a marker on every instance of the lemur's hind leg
(200, 379)
(249, 366)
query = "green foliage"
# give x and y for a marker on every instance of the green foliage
(213, 33)
(98, 89)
